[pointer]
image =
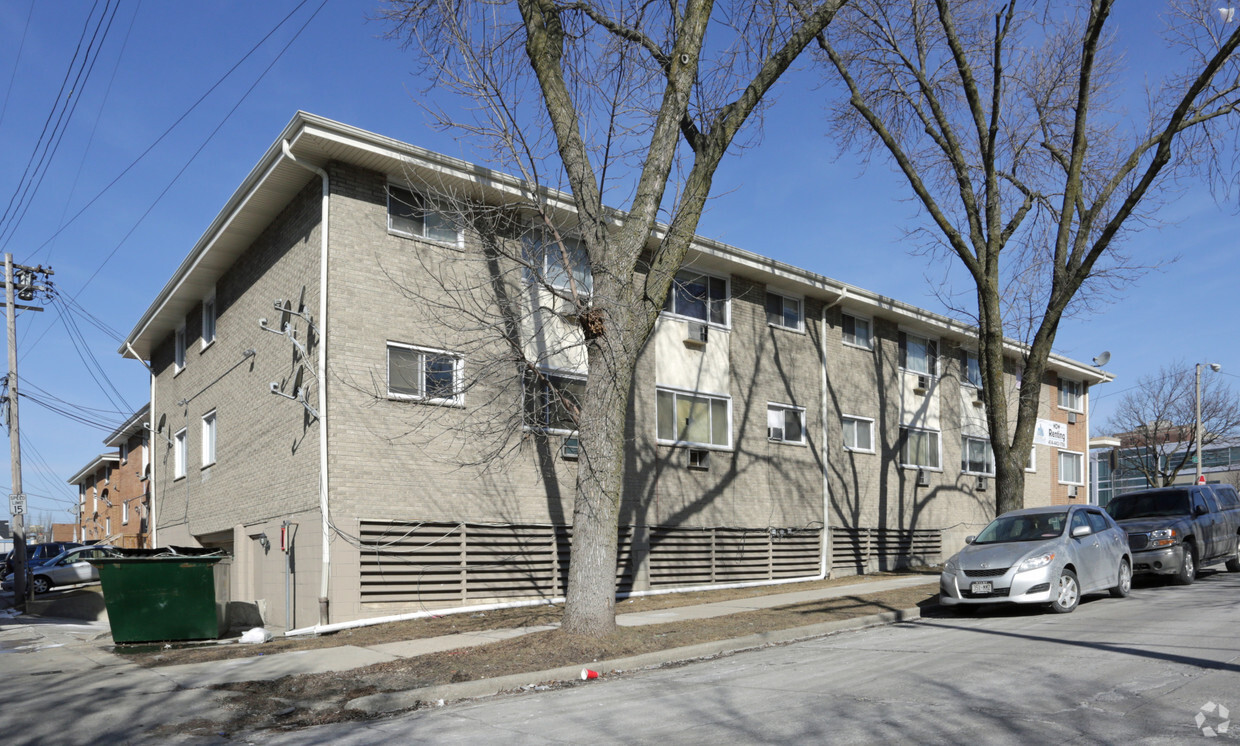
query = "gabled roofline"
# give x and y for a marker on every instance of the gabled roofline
(129, 427)
(93, 467)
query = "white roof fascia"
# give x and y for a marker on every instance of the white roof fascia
(93, 467)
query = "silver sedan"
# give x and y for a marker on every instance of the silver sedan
(1052, 556)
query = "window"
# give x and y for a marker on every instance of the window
(424, 375)
(125, 452)
(1032, 465)
(410, 215)
(919, 354)
(698, 296)
(919, 448)
(179, 360)
(858, 434)
(976, 456)
(696, 419)
(107, 525)
(857, 331)
(783, 311)
(1070, 471)
(146, 454)
(1070, 395)
(1097, 522)
(545, 263)
(208, 321)
(208, 439)
(785, 424)
(179, 454)
(553, 400)
(124, 511)
(972, 369)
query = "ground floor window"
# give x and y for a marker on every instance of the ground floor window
(1071, 469)
(976, 456)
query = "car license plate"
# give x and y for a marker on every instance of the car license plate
(981, 588)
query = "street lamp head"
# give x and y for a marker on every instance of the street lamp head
(1215, 367)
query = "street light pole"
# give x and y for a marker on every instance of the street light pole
(1197, 427)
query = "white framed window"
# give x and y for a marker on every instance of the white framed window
(785, 311)
(411, 214)
(1032, 465)
(972, 369)
(693, 418)
(124, 512)
(921, 448)
(857, 331)
(545, 262)
(421, 374)
(785, 423)
(208, 439)
(1070, 395)
(179, 455)
(976, 456)
(107, 525)
(124, 452)
(694, 295)
(858, 433)
(146, 454)
(553, 400)
(179, 353)
(919, 354)
(1071, 468)
(94, 496)
(208, 321)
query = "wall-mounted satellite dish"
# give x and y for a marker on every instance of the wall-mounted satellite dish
(1102, 359)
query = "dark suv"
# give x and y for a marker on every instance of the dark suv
(37, 554)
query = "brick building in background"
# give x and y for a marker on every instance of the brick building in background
(113, 489)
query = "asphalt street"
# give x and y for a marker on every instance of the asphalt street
(1153, 668)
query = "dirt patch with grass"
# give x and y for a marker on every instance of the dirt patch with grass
(315, 699)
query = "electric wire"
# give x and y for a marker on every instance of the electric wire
(91, 363)
(17, 64)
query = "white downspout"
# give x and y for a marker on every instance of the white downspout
(146, 437)
(324, 584)
(826, 471)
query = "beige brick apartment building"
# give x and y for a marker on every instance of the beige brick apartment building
(329, 377)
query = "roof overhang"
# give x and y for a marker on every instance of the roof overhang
(94, 466)
(129, 428)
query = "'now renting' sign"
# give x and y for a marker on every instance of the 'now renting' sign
(1049, 433)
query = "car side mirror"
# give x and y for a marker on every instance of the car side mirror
(1080, 531)
(970, 539)
(1200, 510)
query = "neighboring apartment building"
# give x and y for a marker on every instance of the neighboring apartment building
(113, 489)
(1114, 469)
(327, 406)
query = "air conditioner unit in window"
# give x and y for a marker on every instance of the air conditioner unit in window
(699, 458)
(923, 478)
(923, 384)
(570, 449)
(981, 484)
(697, 334)
(774, 433)
(1072, 491)
(1071, 418)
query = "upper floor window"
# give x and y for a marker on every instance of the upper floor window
(1070, 395)
(785, 424)
(179, 455)
(424, 375)
(976, 456)
(124, 511)
(563, 264)
(698, 296)
(972, 369)
(553, 400)
(783, 311)
(124, 448)
(179, 353)
(857, 331)
(208, 438)
(411, 214)
(919, 354)
(693, 419)
(920, 448)
(858, 433)
(208, 320)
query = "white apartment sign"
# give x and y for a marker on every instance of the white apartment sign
(1048, 433)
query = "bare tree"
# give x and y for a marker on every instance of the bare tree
(1156, 422)
(624, 103)
(1008, 121)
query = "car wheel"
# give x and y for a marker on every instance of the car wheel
(1124, 586)
(1068, 593)
(40, 584)
(1188, 566)
(1233, 564)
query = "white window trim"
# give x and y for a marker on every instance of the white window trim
(900, 455)
(1058, 463)
(124, 512)
(552, 373)
(541, 240)
(1032, 468)
(180, 345)
(692, 443)
(459, 243)
(938, 347)
(180, 454)
(209, 422)
(205, 343)
(800, 300)
(1080, 395)
(964, 374)
(803, 442)
(458, 376)
(727, 304)
(858, 418)
(970, 472)
(124, 452)
(857, 317)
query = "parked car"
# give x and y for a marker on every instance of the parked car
(67, 568)
(1178, 530)
(1050, 556)
(37, 554)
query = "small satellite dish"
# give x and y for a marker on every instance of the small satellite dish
(1102, 359)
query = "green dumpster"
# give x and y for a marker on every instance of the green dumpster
(161, 598)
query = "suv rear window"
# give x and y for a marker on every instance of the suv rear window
(1149, 505)
(1226, 495)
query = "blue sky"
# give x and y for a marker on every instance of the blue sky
(793, 196)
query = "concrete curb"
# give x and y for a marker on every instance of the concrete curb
(388, 702)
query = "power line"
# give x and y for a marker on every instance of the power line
(17, 63)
